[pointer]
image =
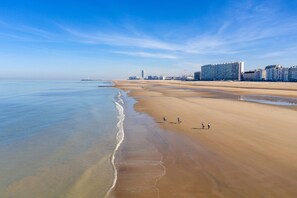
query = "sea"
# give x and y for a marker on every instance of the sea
(59, 138)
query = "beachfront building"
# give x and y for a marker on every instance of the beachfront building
(285, 74)
(156, 77)
(142, 74)
(197, 76)
(249, 76)
(292, 74)
(208, 72)
(274, 73)
(224, 71)
(134, 78)
(153, 78)
(260, 74)
(255, 75)
(162, 77)
(169, 78)
(187, 78)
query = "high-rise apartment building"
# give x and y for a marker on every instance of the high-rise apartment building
(224, 71)
(260, 74)
(285, 74)
(275, 73)
(142, 74)
(292, 74)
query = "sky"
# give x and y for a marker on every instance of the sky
(115, 39)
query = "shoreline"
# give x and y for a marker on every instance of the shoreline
(215, 156)
(120, 136)
(139, 162)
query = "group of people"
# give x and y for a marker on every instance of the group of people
(203, 126)
(179, 121)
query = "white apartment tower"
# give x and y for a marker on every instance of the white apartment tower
(223, 71)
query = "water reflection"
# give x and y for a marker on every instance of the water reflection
(221, 94)
(272, 100)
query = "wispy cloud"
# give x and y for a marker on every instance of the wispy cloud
(147, 54)
(249, 25)
(115, 39)
(286, 52)
(25, 32)
(245, 26)
(199, 45)
(12, 36)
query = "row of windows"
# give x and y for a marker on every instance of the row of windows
(221, 72)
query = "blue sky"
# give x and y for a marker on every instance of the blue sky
(114, 39)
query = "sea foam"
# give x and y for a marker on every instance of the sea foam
(119, 139)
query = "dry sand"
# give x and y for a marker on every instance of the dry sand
(250, 150)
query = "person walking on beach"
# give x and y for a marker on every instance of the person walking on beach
(203, 125)
(208, 126)
(178, 120)
(164, 119)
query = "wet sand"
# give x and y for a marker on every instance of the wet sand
(140, 164)
(250, 150)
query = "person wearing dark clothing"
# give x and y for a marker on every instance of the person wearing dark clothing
(208, 126)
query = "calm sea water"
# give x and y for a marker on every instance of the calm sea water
(57, 138)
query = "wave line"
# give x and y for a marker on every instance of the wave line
(120, 138)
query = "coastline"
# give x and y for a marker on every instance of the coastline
(139, 163)
(120, 136)
(209, 163)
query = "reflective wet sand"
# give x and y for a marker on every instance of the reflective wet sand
(140, 164)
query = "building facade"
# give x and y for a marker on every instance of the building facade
(292, 74)
(255, 75)
(197, 76)
(275, 73)
(134, 78)
(285, 74)
(208, 72)
(224, 71)
(249, 76)
(260, 74)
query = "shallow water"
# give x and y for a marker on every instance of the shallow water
(263, 99)
(56, 138)
(272, 100)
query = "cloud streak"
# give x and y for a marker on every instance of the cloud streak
(203, 45)
(25, 32)
(243, 28)
(114, 39)
(253, 25)
(147, 55)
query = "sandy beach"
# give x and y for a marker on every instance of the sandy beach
(249, 151)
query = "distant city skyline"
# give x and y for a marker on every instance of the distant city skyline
(114, 40)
